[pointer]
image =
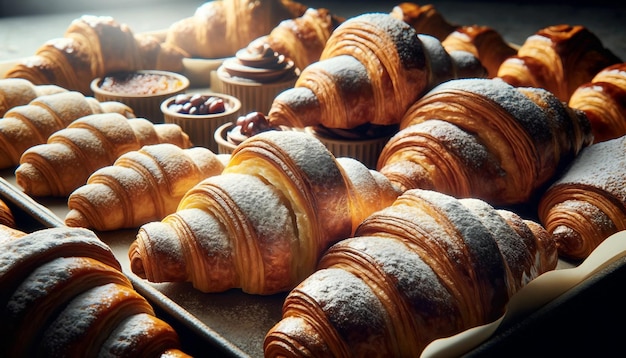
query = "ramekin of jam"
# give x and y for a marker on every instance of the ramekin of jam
(199, 114)
(142, 90)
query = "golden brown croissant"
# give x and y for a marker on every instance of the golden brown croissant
(603, 102)
(303, 38)
(262, 224)
(587, 203)
(6, 215)
(426, 267)
(372, 69)
(484, 42)
(9, 232)
(425, 19)
(30, 124)
(63, 294)
(141, 186)
(557, 58)
(91, 47)
(72, 154)
(486, 139)
(18, 91)
(219, 28)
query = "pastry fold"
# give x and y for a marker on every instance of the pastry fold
(425, 19)
(63, 294)
(262, 224)
(426, 267)
(302, 39)
(89, 143)
(558, 58)
(91, 47)
(603, 101)
(141, 186)
(27, 125)
(484, 42)
(484, 138)
(587, 203)
(219, 28)
(19, 91)
(372, 68)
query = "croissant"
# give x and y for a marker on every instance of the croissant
(425, 19)
(219, 28)
(486, 139)
(141, 186)
(559, 59)
(31, 124)
(6, 215)
(602, 100)
(302, 39)
(91, 47)
(63, 294)
(428, 266)
(9, 232)
(483, 42)
(372, 69)
(587, 204)
(18, 91)
(262, 224)
(72, 154)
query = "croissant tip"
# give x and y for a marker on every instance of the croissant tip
(136, 262)
(75, 218)
(26, 175)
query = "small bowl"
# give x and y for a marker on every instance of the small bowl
(220, 136)
(148, 104)
(201, 128)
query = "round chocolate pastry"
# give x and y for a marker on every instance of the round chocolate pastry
(260, 63)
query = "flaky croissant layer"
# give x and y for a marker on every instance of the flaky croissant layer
(372, 68)
(63, 294)
(141, 186)
(30, 124)
(484, 138)
(72, 154)
(587, 204)
(262, 224)
(428, 266)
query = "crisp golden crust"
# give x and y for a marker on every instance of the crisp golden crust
(426, 267)
(373, 67)
(484, 42)
(587, 203)
(63, 293)
(141, 186)
(262, 224)
(426, 19)
(25, 126)
(603, 100)
(95, 141)
(219, 28)
(303, 38)
(508, 141)
(558, 58)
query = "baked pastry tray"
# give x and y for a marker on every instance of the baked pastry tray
(234, 324)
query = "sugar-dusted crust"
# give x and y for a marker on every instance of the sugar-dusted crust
(587, 203)
(508, 142)
(426, 267)
(263, 223)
